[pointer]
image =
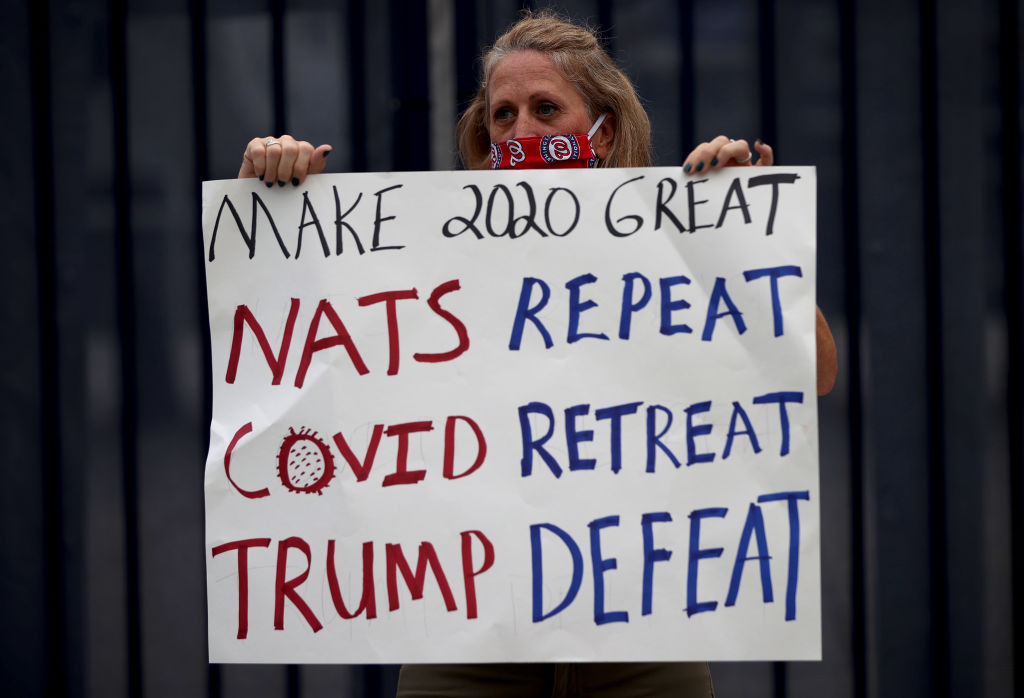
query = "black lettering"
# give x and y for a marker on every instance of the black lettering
(509, 223)
(661, 206)
(639, 221)
(250, 239)
(468, 223)
(692, 204)
(775, 180)
(378, 219)
(339, 223)
(547, 211)
(306, 206)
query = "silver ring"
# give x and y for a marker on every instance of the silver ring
(270, 141)
(744, 161)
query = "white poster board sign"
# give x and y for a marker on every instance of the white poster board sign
(513, 417)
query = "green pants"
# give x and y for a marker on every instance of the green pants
(618, 680)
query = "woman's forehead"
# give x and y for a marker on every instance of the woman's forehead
(530, 71)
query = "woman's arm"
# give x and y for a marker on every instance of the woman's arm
(282, 160)
(828, 362)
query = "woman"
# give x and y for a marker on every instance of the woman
(547, 77)
(580, 83)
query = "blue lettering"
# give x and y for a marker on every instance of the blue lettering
(696, 555)
(600, 566)
(538, 571)
(693, 431)
(781, 398)
(774, 273)
(651, 555)
(530, 444)
(668, 305)
(738, 411)
(718, 295)
(527, 312)
(794, 543)
(654, 439)
(615, 414)
(629, 306)
(754, 524)
(576, 308)
(574, 436)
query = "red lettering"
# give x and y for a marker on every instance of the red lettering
(396, 562)
(304, 462)
(313, 344)
(242, 546)
(368, 601)
(449, 447)
(360, 468)
(276, 363)
(402, 475)
(284, 588)
(390, 299)
(468, 573)
(460, 328)
(227, 465)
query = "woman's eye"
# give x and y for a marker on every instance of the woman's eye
(547, 109)
(502, 114)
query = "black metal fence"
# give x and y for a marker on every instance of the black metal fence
(115, 112)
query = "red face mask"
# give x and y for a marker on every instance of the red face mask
(536, 152)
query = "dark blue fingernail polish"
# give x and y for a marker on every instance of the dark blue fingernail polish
(686, 168)
(714, 162)
(700, 165)
(295, 181)
(280, 182)
(269, 184)
(261, 178)
(327, 152)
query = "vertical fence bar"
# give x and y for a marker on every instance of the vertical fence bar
(467, 51)
(852, 284)
(604, 26)
(1013, 260)
(201, 165)
(410, 82)
(769, 134)
(687, 87)
(767, 71)
(357, 83)
(356, 26)
(293, 680)
(935, 399)
(277, 65)
(55, 664)
(125, 283)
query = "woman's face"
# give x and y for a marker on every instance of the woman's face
(528, 97)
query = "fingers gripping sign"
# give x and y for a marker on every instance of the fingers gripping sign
(726, 152)
(766, 156)
(282, 159)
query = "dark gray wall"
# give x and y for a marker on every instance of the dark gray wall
(113, 114)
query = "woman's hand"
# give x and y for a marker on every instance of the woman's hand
(725, 152)
(282, 160)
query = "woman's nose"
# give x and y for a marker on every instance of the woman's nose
(525, 127)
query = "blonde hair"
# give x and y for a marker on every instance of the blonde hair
(578, 55)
